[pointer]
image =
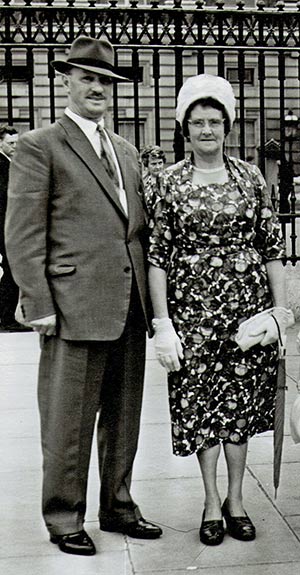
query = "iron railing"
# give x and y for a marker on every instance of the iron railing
(256, 48)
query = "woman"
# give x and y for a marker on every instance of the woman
(153, 159)
(215, 260)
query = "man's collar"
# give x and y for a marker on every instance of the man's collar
(85, 124)
(3, 154)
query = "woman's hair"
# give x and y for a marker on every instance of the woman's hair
(205, 102)
(152, 152)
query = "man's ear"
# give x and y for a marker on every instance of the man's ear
(66, 82)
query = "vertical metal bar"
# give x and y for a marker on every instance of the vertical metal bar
(261, 79)
(113, 13)
(71, 26)
(178, 143)
(135, 67)
(92, 14)
(284, 187)
(115, 98)
(30, 87)
(284, 175)
(200, 55)
(51, 72)
(51, 76)
(156, 76)
(200, 61)
(293, 236)
(8, 68)
(221, 63)
(241, 69)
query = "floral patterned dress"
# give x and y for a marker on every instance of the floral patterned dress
(213, 241)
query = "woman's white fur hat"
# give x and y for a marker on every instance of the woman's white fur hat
(206, 86)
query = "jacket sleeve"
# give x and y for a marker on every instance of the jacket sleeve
(26, 224)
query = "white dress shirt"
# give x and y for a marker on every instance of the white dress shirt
(89, 128)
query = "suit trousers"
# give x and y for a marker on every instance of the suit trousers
(81, 382)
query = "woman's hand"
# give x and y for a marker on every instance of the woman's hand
(275, 325)
(167, 344)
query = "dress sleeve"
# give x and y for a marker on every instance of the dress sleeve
(161, 229)
(268, 240)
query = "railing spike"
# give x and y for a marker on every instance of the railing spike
(260, 4)
(200, 4)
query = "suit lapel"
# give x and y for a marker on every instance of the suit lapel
(80, 144)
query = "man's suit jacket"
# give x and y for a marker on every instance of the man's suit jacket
(71, 248)
(4, 171)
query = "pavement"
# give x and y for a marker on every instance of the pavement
(168, 489)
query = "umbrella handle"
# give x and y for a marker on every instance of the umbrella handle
(281, 340)
(281, 345)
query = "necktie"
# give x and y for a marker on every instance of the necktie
(107, 158)
(111, 168)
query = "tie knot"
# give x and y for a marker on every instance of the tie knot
(100, 129)
(103, 138)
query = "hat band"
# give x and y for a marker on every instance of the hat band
(90, 62)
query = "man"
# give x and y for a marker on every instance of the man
(9, 290)
(75, 240)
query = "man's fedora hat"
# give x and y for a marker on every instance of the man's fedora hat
(90, 54)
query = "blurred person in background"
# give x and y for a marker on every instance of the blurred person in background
(153, 160)
(9, 290)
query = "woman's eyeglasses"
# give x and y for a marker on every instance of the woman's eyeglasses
(213, 123)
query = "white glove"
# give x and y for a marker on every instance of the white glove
(274, 329)
(167, 344)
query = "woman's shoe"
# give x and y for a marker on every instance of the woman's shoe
(211, 532)
(240, 528)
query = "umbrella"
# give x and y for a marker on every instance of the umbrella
(279, 419)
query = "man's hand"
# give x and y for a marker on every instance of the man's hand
(44, 326)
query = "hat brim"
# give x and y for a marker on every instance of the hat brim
(62, 66)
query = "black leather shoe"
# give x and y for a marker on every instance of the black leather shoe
(211, 532)
(240, 528)
(76, 543)
(140, 529)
